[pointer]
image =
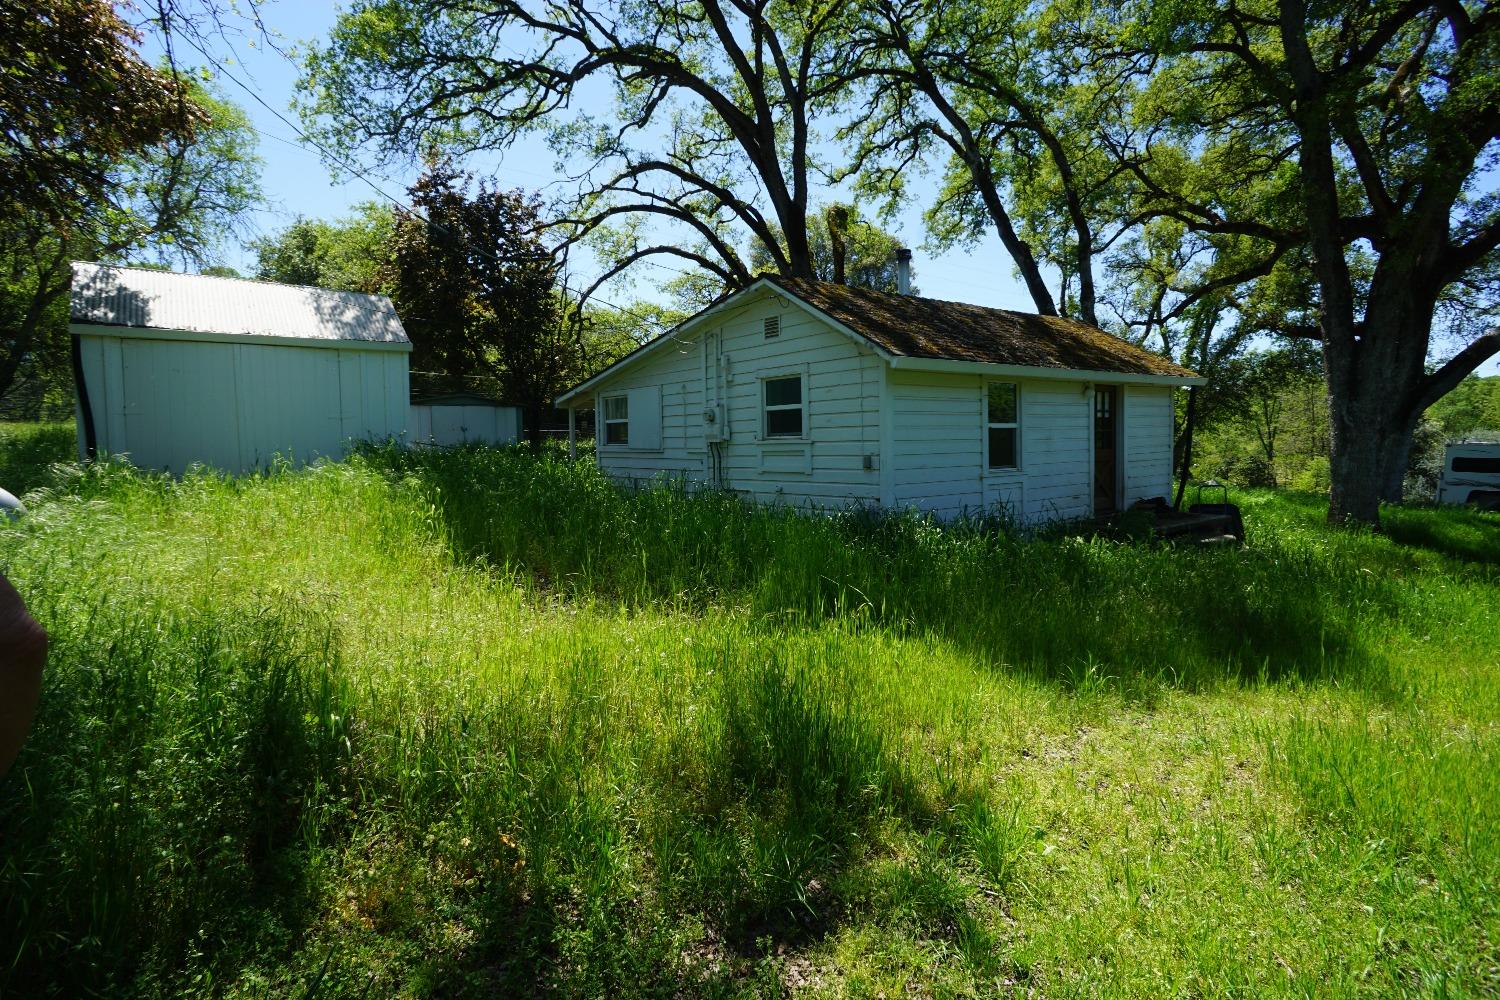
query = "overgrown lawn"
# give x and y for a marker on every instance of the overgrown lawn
(469, 724)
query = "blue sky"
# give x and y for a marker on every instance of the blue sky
(296, 182)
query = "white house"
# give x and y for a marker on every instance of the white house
(811, 393)
(173, 369)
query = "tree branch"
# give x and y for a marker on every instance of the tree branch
(1441, 382)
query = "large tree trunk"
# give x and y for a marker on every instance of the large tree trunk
(1375, 350)
(1354, 463)
(1397, 459)
(1375, 388)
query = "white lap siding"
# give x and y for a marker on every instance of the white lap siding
(931, 457)
(674, 369)
(1149, 417)
(841, 419)
(938, 437)
(1057, 460)
(826, 467)
(937, 443)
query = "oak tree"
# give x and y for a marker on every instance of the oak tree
(1345, 147)
(700, 117)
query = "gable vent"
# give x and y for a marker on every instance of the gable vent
(772, 326)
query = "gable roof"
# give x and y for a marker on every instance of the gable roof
(136, 297)
(933, 330)
(915, 327)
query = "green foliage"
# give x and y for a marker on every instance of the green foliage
(183, 201)
(610, 333)
(1294, 418)
(1291, 415)
(480, 294)
(28, 451)
(177, 201)
(1470, 411)
(350, 254)
(466, 723)
(869, 251)
(701, 121)
(76, 98)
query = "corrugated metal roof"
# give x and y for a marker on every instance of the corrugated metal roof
(108, 295)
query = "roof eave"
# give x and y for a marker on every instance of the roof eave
(201, 336)
(651, 346)
(956, 367)
(767, 283)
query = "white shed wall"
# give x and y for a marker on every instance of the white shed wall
(437, 424)
(675, 371)
(841, 424)
(825, 467)
(235, 406)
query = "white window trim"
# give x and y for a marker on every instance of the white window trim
(799, 372)
(984, 401)
(605, 421)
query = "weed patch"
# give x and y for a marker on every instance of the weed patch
(471, 724)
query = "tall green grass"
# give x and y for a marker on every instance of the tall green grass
(28, 450)
(1064, 606)
(469, 723)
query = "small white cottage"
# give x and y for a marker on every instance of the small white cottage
(173, 369)
(811, 393)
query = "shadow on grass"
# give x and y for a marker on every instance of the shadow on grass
(158, 816)
(28, 451)
(1064, 609)
(1460, 533)
(588, 854)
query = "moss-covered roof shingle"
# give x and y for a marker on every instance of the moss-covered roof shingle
(916, 327)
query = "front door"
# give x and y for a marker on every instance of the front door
(1106, 472)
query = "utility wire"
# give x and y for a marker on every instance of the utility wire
(345, 164)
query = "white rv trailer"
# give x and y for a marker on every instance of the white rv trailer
(1471, 474)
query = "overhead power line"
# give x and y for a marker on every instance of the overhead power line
(357, 172)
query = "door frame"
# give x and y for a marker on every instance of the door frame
(1119, 444)
(714, 398)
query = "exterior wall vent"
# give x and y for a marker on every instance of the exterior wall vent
(772, 326)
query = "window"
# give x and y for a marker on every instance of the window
(1002, 418)
(784, 413)
(1470, 463)
(616, 419)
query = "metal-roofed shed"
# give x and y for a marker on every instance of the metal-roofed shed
(176, 369)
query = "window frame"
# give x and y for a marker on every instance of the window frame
(991, 425)
(605, 420)
(767, 408)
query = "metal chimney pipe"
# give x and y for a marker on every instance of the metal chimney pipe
(903, 270)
